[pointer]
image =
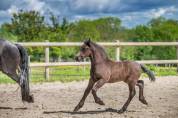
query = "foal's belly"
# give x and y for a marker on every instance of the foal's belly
(117, 76)
(115, 79)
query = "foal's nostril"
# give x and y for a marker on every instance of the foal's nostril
(79, 58)
(76, 58)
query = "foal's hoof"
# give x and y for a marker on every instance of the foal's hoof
(100, 102)
(144, 101)
(76, 108)
(121, 111)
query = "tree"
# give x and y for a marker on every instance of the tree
(82, 30)
(142, 33)
(108, 27)
(5, 34)
(26, 25)
(164, 30)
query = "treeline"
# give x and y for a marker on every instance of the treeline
(31, 26)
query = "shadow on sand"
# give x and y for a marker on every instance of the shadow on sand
(20, 108)
(85, 112)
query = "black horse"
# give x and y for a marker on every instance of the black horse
(14, 63)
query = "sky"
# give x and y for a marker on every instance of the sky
(131, 12)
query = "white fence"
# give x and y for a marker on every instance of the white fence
(116, 44)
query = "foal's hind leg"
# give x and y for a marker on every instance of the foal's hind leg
(98, 85)
(140, 84)
(132, 93)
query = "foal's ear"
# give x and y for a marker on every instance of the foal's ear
(87, 42)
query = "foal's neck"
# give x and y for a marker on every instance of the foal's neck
(96, 59)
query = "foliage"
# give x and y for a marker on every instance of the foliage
(4, 34)
(26, 25)
(31, 26)
(83, 29)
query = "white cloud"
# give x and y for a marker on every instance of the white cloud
(93, 5)
(85, 3)
(36, 5)
(130, 12)
(2, 13)
(12, 9)
(128, 17)
(162, 11)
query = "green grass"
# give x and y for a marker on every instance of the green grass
(163, 71)
(5, 79)
(63, 74)
(71, 73)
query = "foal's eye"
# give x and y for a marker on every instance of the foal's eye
(83, 49)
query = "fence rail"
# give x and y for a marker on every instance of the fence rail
(107, 44)
(116, 44)
(55, 64)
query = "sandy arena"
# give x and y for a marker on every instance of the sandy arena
(57, 100)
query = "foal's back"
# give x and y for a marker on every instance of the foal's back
(123, 70)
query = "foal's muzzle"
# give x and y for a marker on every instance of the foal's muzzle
(79, 58)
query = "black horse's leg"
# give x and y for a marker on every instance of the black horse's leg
(98, 85)
(14, 76)
(87, 91)
(9, 70)
(132, 93)
(140, 84)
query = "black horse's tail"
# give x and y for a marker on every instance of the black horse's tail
(148, 72)
(24, 75)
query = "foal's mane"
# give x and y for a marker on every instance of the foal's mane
(99, 48)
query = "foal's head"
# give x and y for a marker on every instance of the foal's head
(91, 49)
(85, 51)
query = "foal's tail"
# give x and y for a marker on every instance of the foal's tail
(24, 75)
(148, 72)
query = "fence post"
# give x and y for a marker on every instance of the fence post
(118, 51)
(84, 67)
(47, 61)
(29, 67)
(177, 56)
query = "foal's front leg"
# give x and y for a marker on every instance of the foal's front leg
(87, 91)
